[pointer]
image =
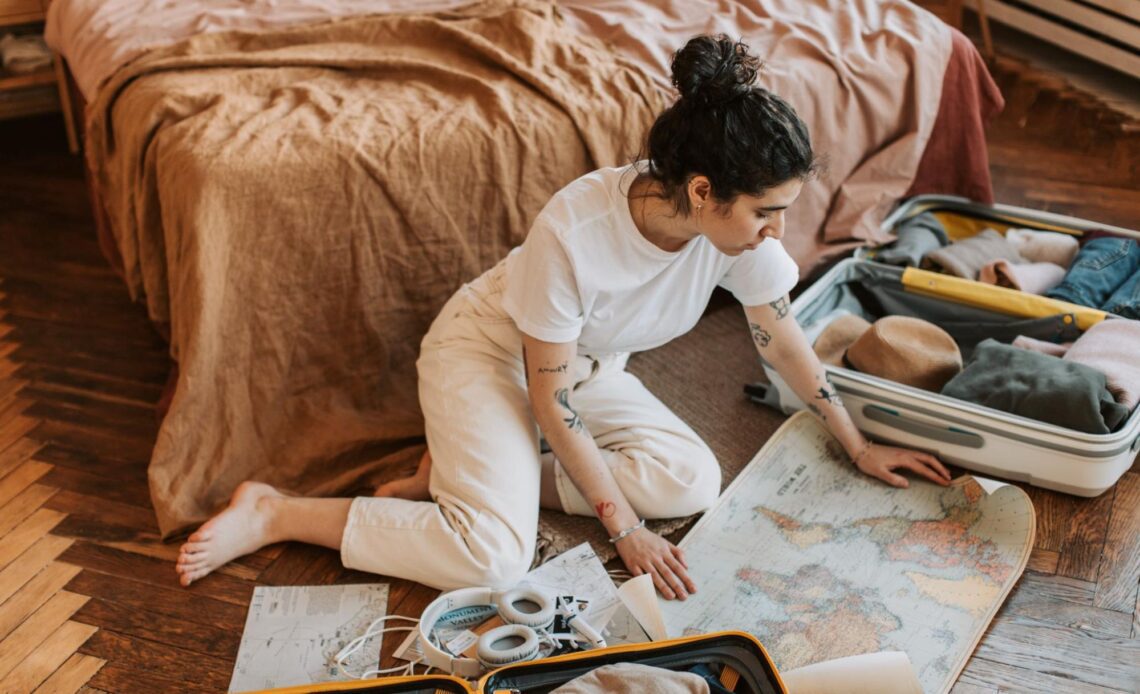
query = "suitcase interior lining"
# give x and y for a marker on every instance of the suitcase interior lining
(871, 291)
(756, 674)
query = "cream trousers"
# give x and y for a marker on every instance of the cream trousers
(487, 453)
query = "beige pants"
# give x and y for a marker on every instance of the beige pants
(487, 456)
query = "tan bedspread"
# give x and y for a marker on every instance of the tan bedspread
(296, 204)
(299, 204)
(865, 75)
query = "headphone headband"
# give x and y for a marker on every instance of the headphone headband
(504, 601)
(452, 600)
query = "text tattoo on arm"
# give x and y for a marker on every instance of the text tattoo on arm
(759, 335)
(574, 422)
(560, 369)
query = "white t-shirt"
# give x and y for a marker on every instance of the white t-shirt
(586, 274)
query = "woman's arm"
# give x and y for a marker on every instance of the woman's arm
(782, 344)
(550, 387)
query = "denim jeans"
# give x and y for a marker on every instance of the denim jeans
(1105, 275)
(1125, 301)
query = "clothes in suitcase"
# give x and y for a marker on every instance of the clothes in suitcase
(736, 659)
(972, 436)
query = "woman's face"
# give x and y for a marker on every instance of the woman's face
(743, 225)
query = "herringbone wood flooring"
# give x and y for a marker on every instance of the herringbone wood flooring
(81, 371)
(38, 636)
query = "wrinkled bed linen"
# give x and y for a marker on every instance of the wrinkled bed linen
(299, 204)
(258, 184)
(865, 75)
(956, 160)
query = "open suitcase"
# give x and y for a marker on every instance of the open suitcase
(972, 436)
(741, 662)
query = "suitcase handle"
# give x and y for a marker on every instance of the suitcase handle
(950, 435)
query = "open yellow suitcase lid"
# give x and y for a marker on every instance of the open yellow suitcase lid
(745, 659)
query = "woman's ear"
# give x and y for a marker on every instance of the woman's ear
(700, 191)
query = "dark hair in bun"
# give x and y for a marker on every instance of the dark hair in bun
(713, 70)
(742, 137)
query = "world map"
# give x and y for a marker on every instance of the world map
(819, 561)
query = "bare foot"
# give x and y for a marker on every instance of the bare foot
(414, 488)
(242, 528)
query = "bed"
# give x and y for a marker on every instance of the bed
(294, 187)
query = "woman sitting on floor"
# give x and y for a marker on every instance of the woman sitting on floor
(621, 260)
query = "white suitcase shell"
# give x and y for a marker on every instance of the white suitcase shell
(972, 436)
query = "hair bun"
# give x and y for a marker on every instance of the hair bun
(714, 69)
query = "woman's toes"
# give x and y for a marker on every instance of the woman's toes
(189, 577)
(191, 565)
(201, 535)
(241, 528)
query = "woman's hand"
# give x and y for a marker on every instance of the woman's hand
(881, 461)
(645, 552)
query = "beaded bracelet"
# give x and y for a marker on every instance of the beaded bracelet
(628, 531)
(860, 454)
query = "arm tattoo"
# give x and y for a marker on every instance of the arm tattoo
(834, 391)
(780, 306)
(759, 335)
(560, 369)
(830, 395)
(562, 395)
(816, 411)
(605, 509)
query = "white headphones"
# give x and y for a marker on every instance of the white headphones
(526, 612)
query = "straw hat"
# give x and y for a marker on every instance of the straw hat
(898, 348)
(838, 336)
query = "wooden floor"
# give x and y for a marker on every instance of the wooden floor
(82, 572)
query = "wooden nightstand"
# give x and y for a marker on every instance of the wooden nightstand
(39, 92)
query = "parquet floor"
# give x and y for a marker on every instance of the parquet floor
(81, 370)
(39, 638)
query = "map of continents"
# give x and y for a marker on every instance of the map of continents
(820, 562)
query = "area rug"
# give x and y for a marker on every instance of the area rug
(700, 376)
(819, 561)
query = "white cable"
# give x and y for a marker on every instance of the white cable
(358, 643)
(403, 669)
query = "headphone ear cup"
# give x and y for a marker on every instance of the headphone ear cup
(542, 619)
(522, 645)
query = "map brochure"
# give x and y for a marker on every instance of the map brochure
(292, 632)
